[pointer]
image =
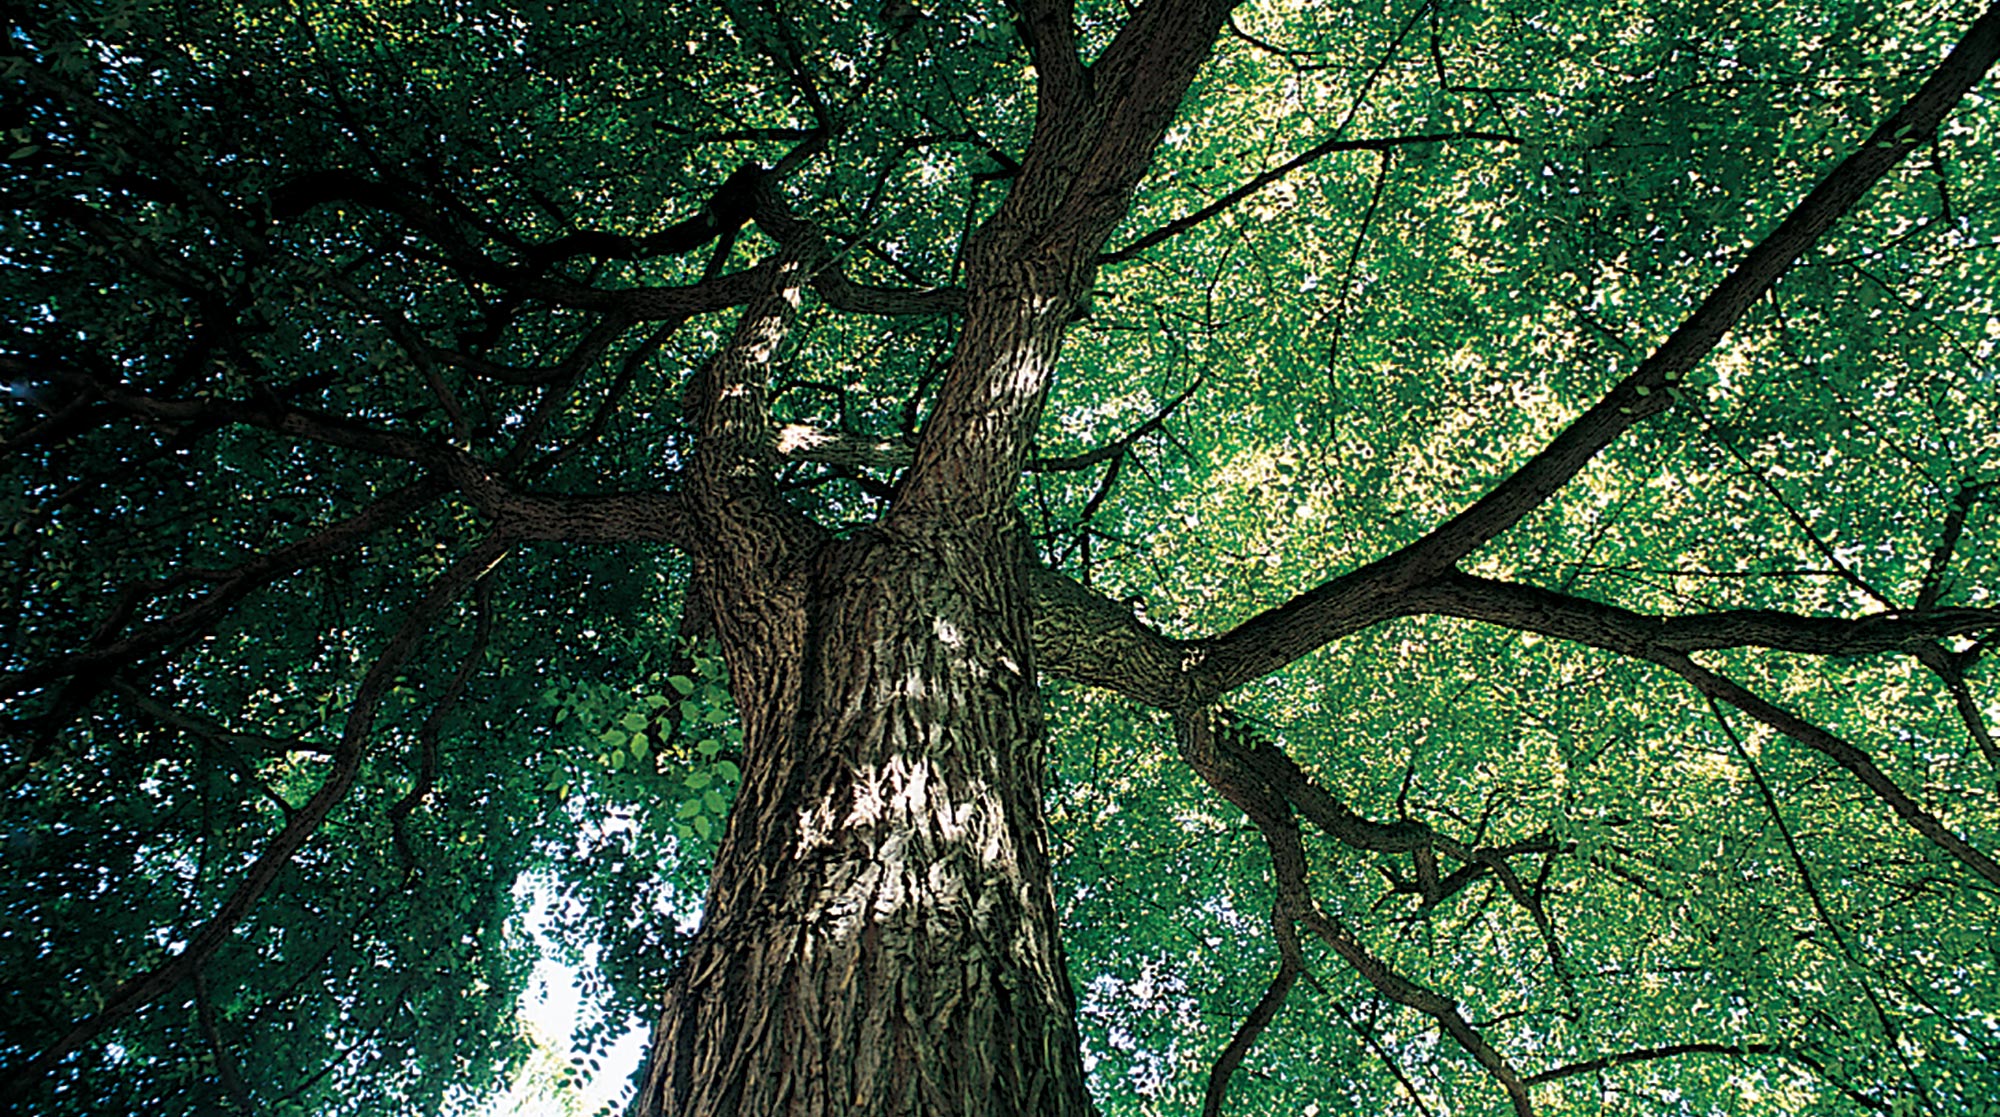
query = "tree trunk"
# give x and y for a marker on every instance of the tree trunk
(880, 936)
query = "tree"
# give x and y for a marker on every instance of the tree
(1493, 507)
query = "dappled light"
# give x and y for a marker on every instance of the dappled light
(981, 558)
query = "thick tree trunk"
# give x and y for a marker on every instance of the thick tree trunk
(880, 936)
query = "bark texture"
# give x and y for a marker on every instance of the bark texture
(881, 935)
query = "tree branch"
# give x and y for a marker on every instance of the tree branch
(1073, 462)
(463, 471)
(1675, 1050)
(1648, 1054)
(1841, 752)
(1950, 670)
(1088, 638)
(234, 585)
(140, 991)
(830, 280)
(1954, 527)
(1668, 642)
(1257, 182)
(427, 734)
(256, 744)
(583, 518)
(1531, 608)
(1270, 811)
(1291, 963)
(803, 442)
(1241, 756)
(581, 356)
(1351, 601)
(1032, 262)
(726, 399)
(211, 1034)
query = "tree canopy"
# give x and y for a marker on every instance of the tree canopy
(1511, 528)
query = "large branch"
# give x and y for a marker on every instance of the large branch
(646, 302)
(727, 397)
(1668, 644)
(459, 468)
(1841, 752)
(1533, 609)
(1274, 638)
(1085, 637)
(230, 587)
(1291, 964)
(634, 517)
(1048, 27)
(740, 523)
(594, 518)
(1030, 264)
(582, 518)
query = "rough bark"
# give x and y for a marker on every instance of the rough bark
(881, 936)
(880, 933)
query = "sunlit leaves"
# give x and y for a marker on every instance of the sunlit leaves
(1378, 337)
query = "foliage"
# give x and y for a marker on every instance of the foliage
(270, 268)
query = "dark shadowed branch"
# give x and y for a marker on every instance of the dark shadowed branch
(1291, 964)
(255, 744)
(433, 725)
(230, 587)
(1049, 29)
(1862, 765)
(1311, 155)
(1950, 669)
(1271, 811)
(140, 991)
